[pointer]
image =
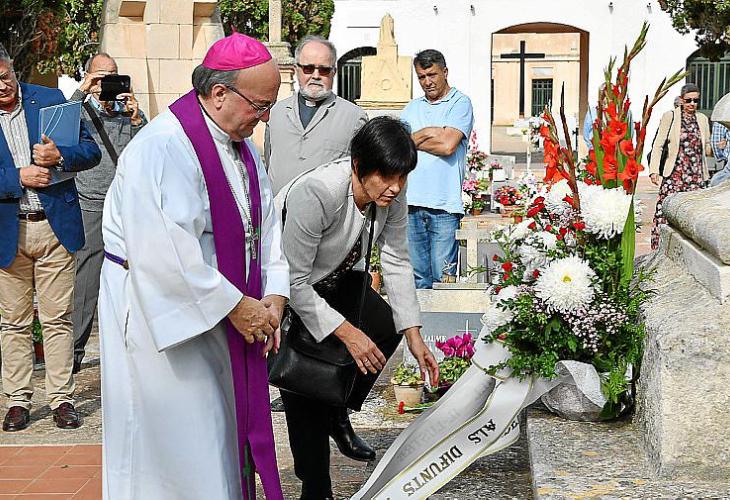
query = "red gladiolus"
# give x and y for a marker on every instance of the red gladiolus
(569, 200)
(535, 210)
(507, 266)
(611, 110)
(627, 147)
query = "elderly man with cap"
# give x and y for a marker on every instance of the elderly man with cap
(192, 291)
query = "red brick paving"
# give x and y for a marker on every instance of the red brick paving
(50, 472)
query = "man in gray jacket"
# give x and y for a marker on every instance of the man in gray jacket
(112, 124)
(314, 126)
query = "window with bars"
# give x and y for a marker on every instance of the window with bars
(349, 73)
(542, 94)
(713, 79)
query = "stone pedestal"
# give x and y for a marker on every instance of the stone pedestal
(159, 43)
(386, 77)
(684, 388)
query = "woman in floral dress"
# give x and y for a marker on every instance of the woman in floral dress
(686, 134)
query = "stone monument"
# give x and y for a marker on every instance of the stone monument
(281, 51)
(159, 43)
(684, 387)
(386, 76)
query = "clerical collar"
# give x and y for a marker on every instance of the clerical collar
(308, 103)
(219, 135)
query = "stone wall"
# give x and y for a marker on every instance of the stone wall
(684, 387)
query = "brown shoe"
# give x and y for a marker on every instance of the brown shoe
(66, 417)
(17, 419)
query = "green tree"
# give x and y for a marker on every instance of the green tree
(710, 19)
(53, 35)
(299, 18)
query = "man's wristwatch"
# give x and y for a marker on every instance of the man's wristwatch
(59, 165)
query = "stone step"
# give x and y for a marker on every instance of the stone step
(598, 460)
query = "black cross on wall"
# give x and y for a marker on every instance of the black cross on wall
(522, 56)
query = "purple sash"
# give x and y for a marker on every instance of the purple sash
(250, 378)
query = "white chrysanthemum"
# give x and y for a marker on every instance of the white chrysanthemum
(604, 211)
(566, 284)
(533, 252)
(520, 230)
(497, 315)
(554, 199)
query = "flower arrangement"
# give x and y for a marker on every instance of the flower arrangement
(568, 289)
(508, 195)
(534, 124)
(473, 191)
(457, 350)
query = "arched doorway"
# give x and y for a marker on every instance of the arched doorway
(712, 77)
(349, 72)
(530, 64)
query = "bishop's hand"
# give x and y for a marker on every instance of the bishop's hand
(253, 320)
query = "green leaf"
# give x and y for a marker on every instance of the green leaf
(628, 246)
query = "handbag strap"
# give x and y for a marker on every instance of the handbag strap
(99, 126)
(365, 282)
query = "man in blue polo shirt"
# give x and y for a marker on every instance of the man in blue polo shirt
(441, 122)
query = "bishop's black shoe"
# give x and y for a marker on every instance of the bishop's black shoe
(349, 443)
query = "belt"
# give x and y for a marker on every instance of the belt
(117, 260)
(32, 216)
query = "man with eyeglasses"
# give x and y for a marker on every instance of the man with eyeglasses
(112, 124)
(193, 287)
(40, 229)
(314, 126)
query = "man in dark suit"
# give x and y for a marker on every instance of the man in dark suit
(41, 227)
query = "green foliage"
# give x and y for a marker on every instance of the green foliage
(451, 369)
(37, 331)
(375, 265)
(55, 36)
(708, 18)
(299, 18)
(407, 375)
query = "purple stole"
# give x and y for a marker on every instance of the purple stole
(250, 377)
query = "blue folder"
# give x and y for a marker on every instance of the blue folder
(61, 123)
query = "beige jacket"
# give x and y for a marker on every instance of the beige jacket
(290, 149)
(673, 144)
(322, 225)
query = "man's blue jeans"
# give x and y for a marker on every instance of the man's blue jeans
(432, 244)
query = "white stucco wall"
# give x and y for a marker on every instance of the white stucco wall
(465, 39)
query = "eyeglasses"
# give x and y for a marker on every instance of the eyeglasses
(308, 69)
(7, 77)
(692, 100)
(260, 110)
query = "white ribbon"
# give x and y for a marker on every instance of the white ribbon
(478, 416)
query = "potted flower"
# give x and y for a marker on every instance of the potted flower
(38, 342)
(477, 205)
(496, 172)
(458, 351)
(473, 194)
(376, 269)
(407, 384)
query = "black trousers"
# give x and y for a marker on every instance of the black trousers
(308, 421)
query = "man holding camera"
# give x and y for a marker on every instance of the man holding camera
(113, 124)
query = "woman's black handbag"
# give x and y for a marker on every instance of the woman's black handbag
(325, 371)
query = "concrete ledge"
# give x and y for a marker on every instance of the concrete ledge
(454, 299)
(572, 460)
(704, 267)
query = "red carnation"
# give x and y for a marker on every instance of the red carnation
(505, 277)
(495, 257)
(563, 231)
(535, 210)
(401, 408)
(536, 274)
(548, 228)
(507, 266)
(532, 225)
(579, 225)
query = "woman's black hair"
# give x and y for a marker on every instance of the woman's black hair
(383, 145)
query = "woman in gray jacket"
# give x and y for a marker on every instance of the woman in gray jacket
(325, 233)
